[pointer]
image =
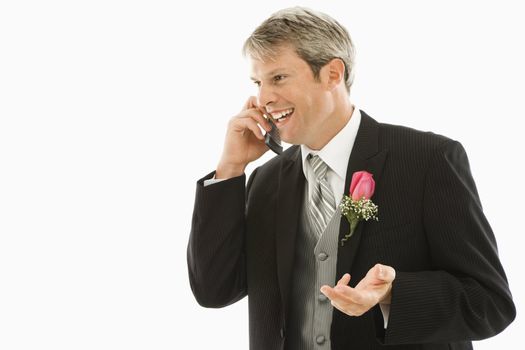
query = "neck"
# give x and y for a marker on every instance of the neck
(333, 125)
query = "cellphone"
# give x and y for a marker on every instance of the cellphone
(273, 139)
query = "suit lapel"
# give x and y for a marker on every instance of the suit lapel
(289, 199)
(365, 156)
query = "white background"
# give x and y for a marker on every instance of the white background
(111, 110)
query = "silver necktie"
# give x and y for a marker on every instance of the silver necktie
(322, 201)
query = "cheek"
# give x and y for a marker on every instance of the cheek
(316, 101)
(308, 106)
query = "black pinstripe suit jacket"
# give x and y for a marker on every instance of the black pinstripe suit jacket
(450, 287)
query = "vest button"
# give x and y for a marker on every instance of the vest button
(322, 297)
(320, 339)
(322, 256)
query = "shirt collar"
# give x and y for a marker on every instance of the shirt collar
(337, 151)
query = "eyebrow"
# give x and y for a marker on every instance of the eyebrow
(272, 72)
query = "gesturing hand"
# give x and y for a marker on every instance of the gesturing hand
(374, 288)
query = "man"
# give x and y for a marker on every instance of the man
(425, 275)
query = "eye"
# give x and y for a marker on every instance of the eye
(256, 82)
(278, 78)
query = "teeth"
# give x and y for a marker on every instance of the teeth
(282, 114)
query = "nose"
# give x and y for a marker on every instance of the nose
(266, 96)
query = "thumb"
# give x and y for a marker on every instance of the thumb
(385, 273)
(344, 280)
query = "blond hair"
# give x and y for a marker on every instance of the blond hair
(316, 37)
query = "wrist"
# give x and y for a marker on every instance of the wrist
(227, 171)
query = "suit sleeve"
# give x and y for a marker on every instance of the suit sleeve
(465, 296)
(215, 253)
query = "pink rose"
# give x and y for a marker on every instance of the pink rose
(362, 185)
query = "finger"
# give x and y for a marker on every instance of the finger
(256, 114)
(349, 310)
(244, 124)
(344, 280)
(252, 125)
(350, 295)
(254, 103)
(385, 273)
(346, 299)
(339, 294)
(332, 294)
(250, 103)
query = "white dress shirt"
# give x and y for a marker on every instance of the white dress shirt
(335, 154)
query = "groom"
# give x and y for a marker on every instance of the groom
(425, 275)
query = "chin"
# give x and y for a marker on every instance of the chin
(290, 140)
(285, 136)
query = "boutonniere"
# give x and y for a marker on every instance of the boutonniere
(358, 206)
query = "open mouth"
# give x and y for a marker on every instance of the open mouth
(282, 116)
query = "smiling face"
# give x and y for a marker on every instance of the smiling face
(303, 107)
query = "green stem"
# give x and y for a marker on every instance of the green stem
(353, 225)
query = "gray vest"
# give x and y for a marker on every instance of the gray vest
(314, 265)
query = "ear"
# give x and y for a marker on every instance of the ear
(334, 73)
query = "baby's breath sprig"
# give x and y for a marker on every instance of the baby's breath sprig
(355, 211)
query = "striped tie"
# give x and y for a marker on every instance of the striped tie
(322, 202)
